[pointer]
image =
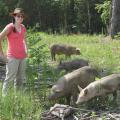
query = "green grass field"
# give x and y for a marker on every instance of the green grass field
(101, 52)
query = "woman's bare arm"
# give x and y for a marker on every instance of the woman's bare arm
(2, 36)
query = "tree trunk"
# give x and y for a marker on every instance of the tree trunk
(115, 19)
(89, 17)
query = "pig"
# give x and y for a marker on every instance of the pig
(63, 49)
(66, 86)
(72, 65)
(108, 84)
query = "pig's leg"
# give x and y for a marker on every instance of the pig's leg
(68, 56)
(74, 99)
(53, 56)
(74, 96)
(114, 96)
(68, 98)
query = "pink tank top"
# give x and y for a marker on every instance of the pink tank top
(16, 42)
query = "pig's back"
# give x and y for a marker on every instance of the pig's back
(113, 79)
(79, 63)
(58, 48)
(82, 76)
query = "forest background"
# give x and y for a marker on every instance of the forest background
(61, 16)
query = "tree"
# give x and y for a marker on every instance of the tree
(3, 13)
(115, 19)
(56, 16)
(105, 10)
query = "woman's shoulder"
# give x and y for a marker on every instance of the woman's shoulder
(10, 25)
(23, 26)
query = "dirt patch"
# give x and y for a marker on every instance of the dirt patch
(84, 114)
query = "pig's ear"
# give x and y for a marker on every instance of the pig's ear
(80, 89)
(85, 92)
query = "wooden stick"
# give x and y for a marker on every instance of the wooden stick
(88, 117)
(112, 116)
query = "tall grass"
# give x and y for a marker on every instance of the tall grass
(19, 106)
(101, 53)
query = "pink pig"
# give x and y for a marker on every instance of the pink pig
(108, 84)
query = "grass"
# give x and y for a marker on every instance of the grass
(19, 107)
(101, 53)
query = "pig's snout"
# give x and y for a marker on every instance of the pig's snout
(54, 96)
(77, 103)
(78, 51)
(80, 101)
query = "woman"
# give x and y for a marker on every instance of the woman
(16, 52)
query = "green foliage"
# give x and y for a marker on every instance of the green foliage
(105, 10)
(3, 8)
(117, 37)
(56, 16)
(3, 14)
(98, 103)
(37, 54)
(18, 107)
